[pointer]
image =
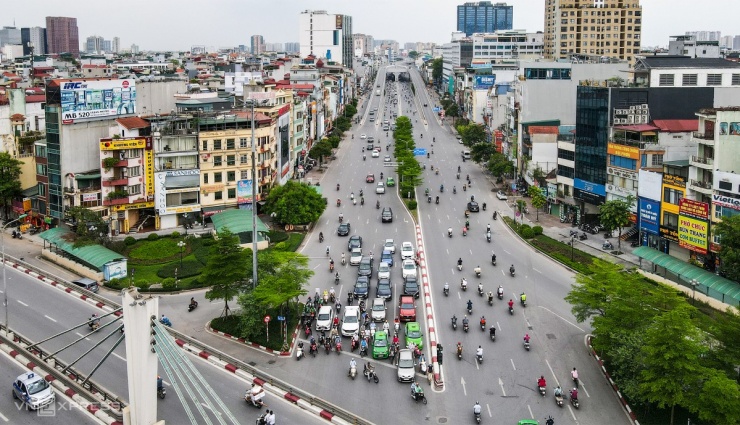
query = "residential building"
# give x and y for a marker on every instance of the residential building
(257, 43)
(736, 43)
(456, 56)
(62, 35)
(36, 36)
(605, 29)
(293, 47)
(115, 45)
(705, 35)
(726, 42)
(327, 36)
(681, 71)
(495, 47)
(687, 45)
(94, 44)
(482, 16)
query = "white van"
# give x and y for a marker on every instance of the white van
(465, 155)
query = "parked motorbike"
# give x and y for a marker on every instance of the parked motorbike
(161, 392)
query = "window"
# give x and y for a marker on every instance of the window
(714, 79)
(670, 220)
(231, 176)
(665, 80)
(643, 160)
(567, 155)
(217, 145)
(232, 193)
(243, 159)
(672, 196)
(217, 161)
(218, 195)
(724, 212)
(205, 145)
(231, 160)
(243, 143)
(134, 190)
(41, 169)
(133, 171)
(657, 159)
(245, 175)
(205, 178)
(218, 177)
(620, 161)
(230, 144)
(689, 79)
(735, 81)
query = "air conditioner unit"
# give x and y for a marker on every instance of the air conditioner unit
(645, 119)
(631, 119)
(644, 106)
(611, 170)
(610, 187)
(633, 107)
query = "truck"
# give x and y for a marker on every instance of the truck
(377, 92)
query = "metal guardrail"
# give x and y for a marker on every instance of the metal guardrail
(304, 395)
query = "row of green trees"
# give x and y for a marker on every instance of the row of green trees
(342, 124)
(661, 351)
(409, 170)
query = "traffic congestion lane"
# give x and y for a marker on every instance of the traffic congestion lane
(547, 317)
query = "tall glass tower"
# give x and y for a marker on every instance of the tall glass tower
(483, 16)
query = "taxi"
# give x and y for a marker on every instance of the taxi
(33, 390)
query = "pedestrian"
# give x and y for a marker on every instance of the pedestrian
(430, 373)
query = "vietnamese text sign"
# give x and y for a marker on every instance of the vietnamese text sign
(649, 215)
(695, 209)
(85, 100)
(692, 234)
(622, 150)
(673, 180)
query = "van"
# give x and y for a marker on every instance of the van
(87, 283)
(324, 318)
(465, 155)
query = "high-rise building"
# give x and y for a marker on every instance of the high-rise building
(62, 35)
(258, 44)
(10, 35)
(705, 35)
(116, 45)
(736, 42)
(94, 44)
(327, 36)
(36, 36)
(595, 29)
(293, 47)
(482, 16)
(726, 42)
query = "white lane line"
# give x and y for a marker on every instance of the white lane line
(53, 320)
(502, 272)
(583, 387)
(531, 415)
(121, 358)
(22, 303)
(562, 318)
(512, 364)
(489, 410)
(507, 252)
(537, 270)
(552, 372)
(3, 417)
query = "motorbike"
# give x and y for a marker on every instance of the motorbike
(466, 327)
(363, 351)
(336, 277)
(511, 310)
(337, 187)
(477, 415)
(512, 272)
(480, 287)
(501, 294)
(254, 396)
(377, 205)
(327, 346)
(429, 199)
(459, 352)
(488, 237)
(350, 297)
(493, 261)
(446, 290)
(483, 325)
(370, 375)
(449, 233)
(261, 419)
(299, 351)
(607, 245)
(321, 238)
(436, 201)
(459, 267)
(161, 392)
(464, 284)
(338, 347)
(559, 400)
(526, 345)
(574, 402)
(458, 176)
(313, 349)
(479, 357)
(353, 372)
(495, 215)
(492, 333)
(419, 396)
(484, 206)
(523, 302)
(543, 390)
(192, 306)
(477, 271)
(490, 298)
(454, 323)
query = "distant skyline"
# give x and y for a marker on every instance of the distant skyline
(178, 25)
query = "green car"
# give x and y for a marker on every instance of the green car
(381, 345)
(527, 422)
(390, 182)
(413, 335)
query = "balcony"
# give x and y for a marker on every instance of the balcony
(69, 189)
(701, 162)
(112, 182)
(703, 138)
(117, 201)
(701, 186)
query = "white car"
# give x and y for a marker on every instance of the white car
(384, 271)
(406, 371)
(324, 318)
(407, 250)
(375, 154)
(363, 136)
(351, 320)
(355, 257)
(387, 158)
(378, 310)
(389, 245)
(409, 268)
(501, 195)
(380, 188)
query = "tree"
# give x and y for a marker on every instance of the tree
(472, 134)
(251, 315)
(226, 269)
(413, 54)
(718, 400)
(452, 111)
(538, 199)
(295, 203)
(728, 230)
(286, 282)
(499, 165)
(10, 183)
(320, 150)
(539, 176)
(671, 357)
(89, 227)
(437, 70)
(482, 152)
(615, 214)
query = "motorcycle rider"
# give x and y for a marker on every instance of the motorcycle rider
(160, 383)
(523, 298)
(368, 368)
(493, 258)
(94, 321)
(447, 287)
(488, 227)
(454, 319)
(459, 262)
(454, 189)
(490, 297)
(193, 303)
(526, 338)
(479, 352)
(470, 305)
(352, 364)
(377, 204)
(321, 237)
(477, 408)
(465, 320)
(500, 290)
(459, 347)
(558, 391)
(449, 231)
(492, 331)
(574, 394)
(386, 326)
(574, 376)
(165, 321)
(541, 382)
(511, 304)
(483, 321)
(363, 345)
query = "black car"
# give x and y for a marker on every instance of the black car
(362, 287)
(411, 286)
(355, 241)
(366, 267)
(387, 215)
(384, 289)
(473, 206)
(343, 229)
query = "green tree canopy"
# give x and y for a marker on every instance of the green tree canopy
(10, 183)
(538, 198)
(728, 231)
(226, 269)
(499, 165)
(286, 282)
(295, 203)
(472, 134)
(482, 152)
(615, 214)
(89, 227)
(320, 150)
(437, 69)
(413, 54)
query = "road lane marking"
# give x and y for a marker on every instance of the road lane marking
(489, 410)
(122, 359)
(507, 252)
(536, 270)
(552, 372)
(580, 385)
(22, 303)
(50, 318)
(562, 318)
(462, 382)
(3, 417)
(531, 415)
(512, 364)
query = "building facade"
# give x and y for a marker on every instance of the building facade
(327, 36)
(482, 16)
(257, 44)
(608, 29)
(515, 44)
(62, 35)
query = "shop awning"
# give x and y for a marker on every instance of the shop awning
(687, 272)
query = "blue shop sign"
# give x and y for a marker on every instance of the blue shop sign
(649, 215)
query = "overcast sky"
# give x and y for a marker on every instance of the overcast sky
(177, 25)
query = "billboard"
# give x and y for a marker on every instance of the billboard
(623, 151)
(695, 209)
(649, 215)
(94, 99)
(244, 192)
(692, 234)
(586, 186)
(649, 185)
(484, 81)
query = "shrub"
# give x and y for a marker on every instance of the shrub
(175, 234)
(537, 230)
(527, 233)
(412, 205)
(276, 237)
(169, 284)
(130, 240)
(153, 237)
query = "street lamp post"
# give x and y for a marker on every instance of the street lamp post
(181, 245)
(5, 280)
(693, 290)
(572, 247)
(251, 103)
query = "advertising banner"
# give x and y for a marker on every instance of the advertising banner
(726, 201)
(649, 216)
(244, 192)
(692, 234)
(93, 99)
(668, 233)
(649, 185)
(586, 186)
(695, 209)
(673, 180)
(484, 81)
(623, 151)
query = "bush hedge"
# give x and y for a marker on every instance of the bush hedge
(537, 230)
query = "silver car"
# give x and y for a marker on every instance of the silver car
(378, 309)
(405, 365)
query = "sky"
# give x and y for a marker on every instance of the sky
(178, 25)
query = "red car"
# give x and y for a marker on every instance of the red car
(370, 178)
(407, 308)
